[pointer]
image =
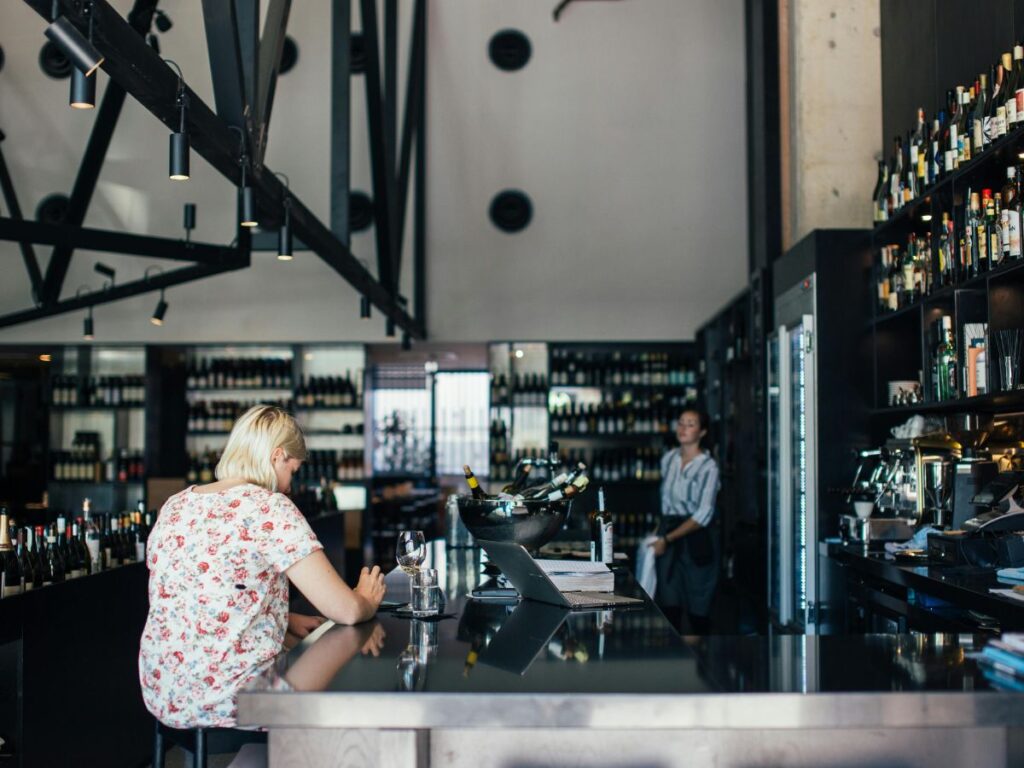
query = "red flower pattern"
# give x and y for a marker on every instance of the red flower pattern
(203, 538)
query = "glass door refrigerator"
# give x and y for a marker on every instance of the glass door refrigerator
(792, 461)
(816, 406)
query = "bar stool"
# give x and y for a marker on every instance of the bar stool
(201, 741)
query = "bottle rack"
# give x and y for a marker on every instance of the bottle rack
(97, 427)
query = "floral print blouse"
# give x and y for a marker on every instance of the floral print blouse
(218, 599)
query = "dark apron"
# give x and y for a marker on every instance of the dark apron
(688, 571)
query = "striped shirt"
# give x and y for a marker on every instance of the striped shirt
(689, 491)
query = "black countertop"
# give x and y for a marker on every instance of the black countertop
(534, 648)
(964, 586)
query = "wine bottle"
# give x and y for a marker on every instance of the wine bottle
(523, 471)
(29, 575)
(11, 582)
(978, 118)
(601, 539)
(474, 485)
(53, 563)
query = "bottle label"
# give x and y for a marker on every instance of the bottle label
(607, 543)
(913, 155)
(93, 545)
(1011, 111)
(978, 138)
(1018, 102)
(1013, 226)
(9, 590)
(140, 552)
(950, 158)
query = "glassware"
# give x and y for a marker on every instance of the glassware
(410, 551)
(426, 594)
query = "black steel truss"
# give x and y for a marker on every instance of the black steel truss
(28, 253)
(134, 68)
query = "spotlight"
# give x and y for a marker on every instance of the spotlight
(284, 234)
(178, 165)
(45, 358)
(190, 220)
(87, 329)
(106, 271)
(364, 307)
(926, 217)
(74, 45)
(153, 42)
(389, 328)
(246, 202)
(83, 90)
(160, 311)
(406, 341)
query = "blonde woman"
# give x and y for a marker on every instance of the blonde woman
(220, 557)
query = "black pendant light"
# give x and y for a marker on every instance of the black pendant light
(83, 90)
(160, 311)
(389, 328)
(364, 307)
(178, 154)
(246, 201)
(87, 328)
(73, 44)
(284, 234)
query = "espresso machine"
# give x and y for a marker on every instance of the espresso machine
(887, 479)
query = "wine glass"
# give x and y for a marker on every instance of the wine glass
(411, 551)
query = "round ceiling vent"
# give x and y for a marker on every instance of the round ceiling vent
(511, 210)
(357, 53)
(360, 211)
(53, 62)
(289, 55)
(509, 50)
(52, 209)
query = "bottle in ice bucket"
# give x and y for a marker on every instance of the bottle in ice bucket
(602, 547)
(474, 484)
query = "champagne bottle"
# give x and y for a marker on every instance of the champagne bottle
(601, 538)
(523, 471)
(11, 582)
(53, 563)
(978, 119)
(474, 485)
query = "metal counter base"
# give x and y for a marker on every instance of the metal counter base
(746, 748)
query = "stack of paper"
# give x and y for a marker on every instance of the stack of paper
(579, 575)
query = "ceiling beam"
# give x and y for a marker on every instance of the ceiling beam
(270, 49)
(71, 237)
(142, 73)
(28, 253)
(127, 290)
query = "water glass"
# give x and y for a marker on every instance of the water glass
(423, 639)
(426, 594)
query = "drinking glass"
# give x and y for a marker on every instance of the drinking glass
(411, 551)
(426, 594)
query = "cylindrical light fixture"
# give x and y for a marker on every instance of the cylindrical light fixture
(74, 45)
(284, 234)
(389, 328)
(87, 329)
(160, 311)
(246, 202)
(406, 341)
(178, 162)
(190, 216)
(364, 307)
(83, 90)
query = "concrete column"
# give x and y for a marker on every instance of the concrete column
(831, 91)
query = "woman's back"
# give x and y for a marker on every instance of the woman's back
(218, 598)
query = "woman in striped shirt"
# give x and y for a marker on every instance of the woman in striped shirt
(687, 547)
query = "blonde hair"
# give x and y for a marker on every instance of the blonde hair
(254, 437)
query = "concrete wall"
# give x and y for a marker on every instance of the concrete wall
(626, 128)
(832, 72)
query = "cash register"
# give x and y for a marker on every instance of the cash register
(988, 527)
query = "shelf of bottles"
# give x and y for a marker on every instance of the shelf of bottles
(97, 427)
(321, 384)
(69, 548)
(518, 407)
(947, 318)
(602, 393)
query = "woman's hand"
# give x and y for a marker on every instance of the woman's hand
(371, 586)
(375, 641)
(659, 545)
(301, 626)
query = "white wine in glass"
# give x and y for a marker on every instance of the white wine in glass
(411, 551)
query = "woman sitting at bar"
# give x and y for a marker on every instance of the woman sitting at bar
(220, 557)
(687, 547)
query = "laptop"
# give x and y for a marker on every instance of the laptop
(531, 581)
(523, 635)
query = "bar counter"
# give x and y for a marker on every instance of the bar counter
(531, 684)
(928, 596)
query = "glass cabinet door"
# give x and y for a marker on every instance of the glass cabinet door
(802, 435)
(775, 566)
